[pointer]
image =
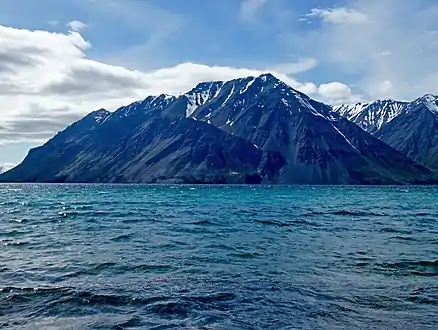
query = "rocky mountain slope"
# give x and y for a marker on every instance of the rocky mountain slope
(410, 127)
(137, 144)
(250, 130)
(372, 116)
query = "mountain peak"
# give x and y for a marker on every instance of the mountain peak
(268, 77)
(207, 85)
(426, 98)
(372, 116)
(430, 96)
(217, 84)
(252, 92)
(101, 111)
(429, 101)
(158, 98)
(99, 115)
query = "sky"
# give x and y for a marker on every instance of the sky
(61, 59)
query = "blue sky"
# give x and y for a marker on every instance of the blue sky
(64, 58)
(149, 34)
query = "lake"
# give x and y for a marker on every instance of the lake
(218, 257)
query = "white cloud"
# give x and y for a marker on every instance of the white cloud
(76, 26)
(298, 67)
(391, 53)
(250, 8)
(338, 93)
(334, 90)
(47, 82)
(341, 15)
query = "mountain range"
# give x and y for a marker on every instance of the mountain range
(248, 130)
(410, 127)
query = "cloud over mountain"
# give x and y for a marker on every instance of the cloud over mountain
(48, 80)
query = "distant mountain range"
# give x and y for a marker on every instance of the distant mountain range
(249, 130)
(410, 127)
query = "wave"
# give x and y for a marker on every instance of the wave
(122, 238)
(17, 244)
(203, 223)
(419, 268)
(346, 213)
(285, 224)
(37, 290)
(117, 269)
(68, 301)
(403, 238)
(395, 231)
(246, 255)
(425, 214)
(14, 233)
(148, 268)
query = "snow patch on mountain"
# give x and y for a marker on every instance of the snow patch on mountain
(429, 101)
(350, 110)
(151, 102)
(372, 116)
(201, 94)
(229, 95)
(251, 81)
(99, 116)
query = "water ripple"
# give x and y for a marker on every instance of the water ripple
(222, 257)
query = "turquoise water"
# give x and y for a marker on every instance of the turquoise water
(218, 257)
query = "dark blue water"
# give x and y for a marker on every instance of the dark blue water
(218, 257)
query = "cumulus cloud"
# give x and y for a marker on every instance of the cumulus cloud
(338, 93)
(341, 15)
(47, 82)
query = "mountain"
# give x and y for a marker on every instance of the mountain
(415, 131)
(410, 127)
(372, 116)
(249, 130)
(137, 144)
(5, 168)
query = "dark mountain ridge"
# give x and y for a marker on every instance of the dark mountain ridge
(410, 127)
(249, 130)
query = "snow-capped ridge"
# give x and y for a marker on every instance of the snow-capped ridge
(201, 94)
(350, 110)
(236, 93)
(430, 101)
(99, 116)
(374, 115)
(151, 102)
(225, 103)
(205, 92)
(267, 76)
(429, 97)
